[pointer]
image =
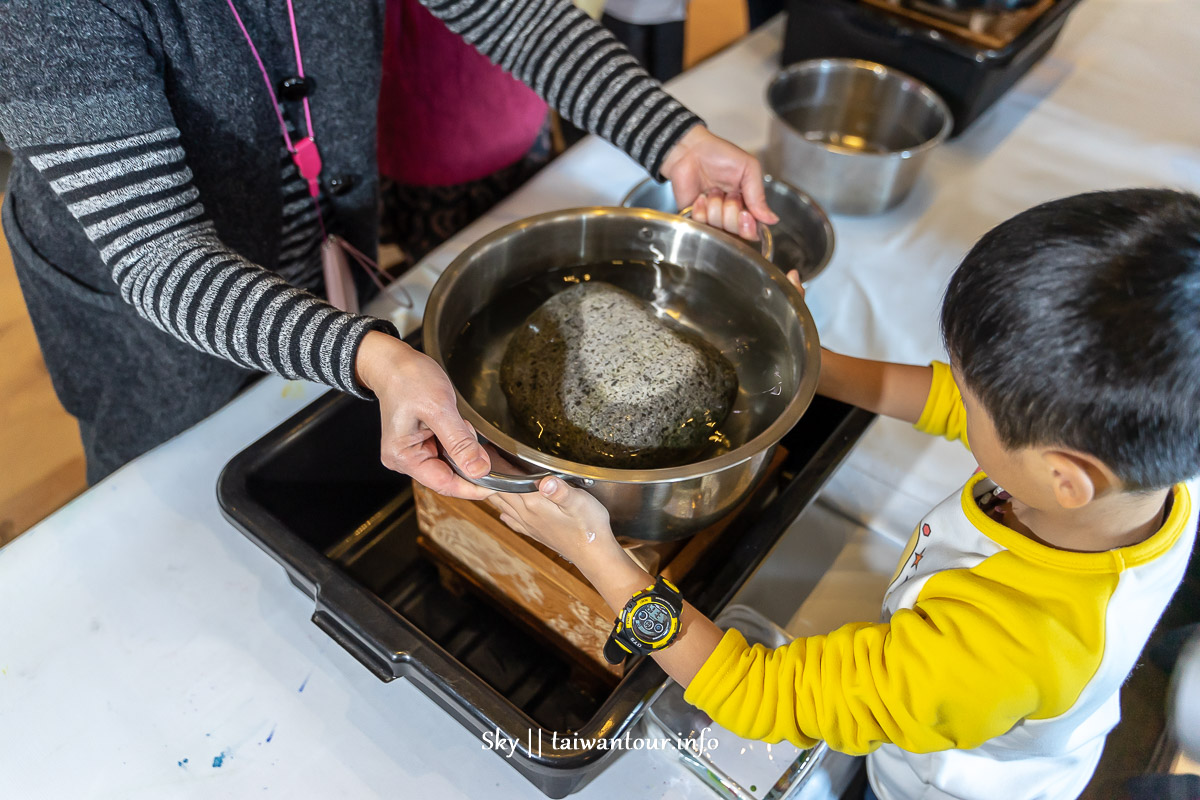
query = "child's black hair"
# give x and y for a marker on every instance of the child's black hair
(1077, 324)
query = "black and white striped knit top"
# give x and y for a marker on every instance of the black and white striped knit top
(300, 233)
(134, 198)
(300, 245)
(134, 195)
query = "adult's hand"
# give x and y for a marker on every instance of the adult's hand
(722, 182)
(416, 404)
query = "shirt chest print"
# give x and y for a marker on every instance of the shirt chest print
(919, 554)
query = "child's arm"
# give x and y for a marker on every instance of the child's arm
(575, 524)
(893, 390)
(903, 391)
(927, 397)
(966, 663)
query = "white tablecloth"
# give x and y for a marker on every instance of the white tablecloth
(147, 649)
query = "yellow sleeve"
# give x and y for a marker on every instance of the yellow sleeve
(944, 414)
(972, 658)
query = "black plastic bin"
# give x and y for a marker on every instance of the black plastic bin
(314, 496)
(967, 77)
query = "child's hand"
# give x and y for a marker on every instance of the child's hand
(567, 520)
(794, 278)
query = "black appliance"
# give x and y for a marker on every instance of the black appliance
(969, 77)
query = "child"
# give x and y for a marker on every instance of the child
(1015, 615)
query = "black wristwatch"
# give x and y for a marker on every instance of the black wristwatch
(649, 622)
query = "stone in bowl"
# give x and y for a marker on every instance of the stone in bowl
(593, 375)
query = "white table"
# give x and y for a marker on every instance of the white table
(147, 649)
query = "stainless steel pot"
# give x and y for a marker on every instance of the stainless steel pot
(702, 279)
(853, 134)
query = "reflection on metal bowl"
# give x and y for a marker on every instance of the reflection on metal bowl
(698, 277)
(802, 239)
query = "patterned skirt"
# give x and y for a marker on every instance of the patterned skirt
(419, 218)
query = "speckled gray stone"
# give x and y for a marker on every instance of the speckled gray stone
(594, 376)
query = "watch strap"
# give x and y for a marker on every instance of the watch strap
(669, 593)
(616, 650)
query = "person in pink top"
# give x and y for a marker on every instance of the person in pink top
(456, 132)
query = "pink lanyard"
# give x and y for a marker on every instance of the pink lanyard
(305, 154)
(307, 159)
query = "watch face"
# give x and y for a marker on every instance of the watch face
(651, 622)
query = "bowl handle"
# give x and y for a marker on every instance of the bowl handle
(516, 484)
(764, 236)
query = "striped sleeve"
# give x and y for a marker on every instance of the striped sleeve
(134, 197)
(82, 98)
(577, 67)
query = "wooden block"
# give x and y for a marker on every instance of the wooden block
(651, 556)
(538, 586)
(523, 576)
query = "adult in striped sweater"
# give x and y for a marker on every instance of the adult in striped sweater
(168, 247)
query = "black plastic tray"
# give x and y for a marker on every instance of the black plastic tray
(313, 495)
(968, 78)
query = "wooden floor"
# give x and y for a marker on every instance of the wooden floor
(711, 26)
(41, 459)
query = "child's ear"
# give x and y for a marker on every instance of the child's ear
(1075, 478)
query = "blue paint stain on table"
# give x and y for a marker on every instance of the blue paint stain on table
(301, 689)
(183, 763)
(219, 759)
(271, 735)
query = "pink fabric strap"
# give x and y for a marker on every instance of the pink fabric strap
(307, 158)
(299, 64)
(266, 78)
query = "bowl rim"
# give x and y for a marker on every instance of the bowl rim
(803, 196)
(924, 89)
(627, 200)
(826, 223)
(806, 389)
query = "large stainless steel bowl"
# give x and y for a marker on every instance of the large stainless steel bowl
(695, 275)
(853, 134)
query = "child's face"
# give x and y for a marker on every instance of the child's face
(1022, 473)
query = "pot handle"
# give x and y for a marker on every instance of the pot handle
(516, 484)
(765, 236)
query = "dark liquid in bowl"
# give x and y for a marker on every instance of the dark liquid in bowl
(474, 361)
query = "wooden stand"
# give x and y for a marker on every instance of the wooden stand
(469, 544)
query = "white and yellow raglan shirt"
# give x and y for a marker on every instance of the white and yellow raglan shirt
(995, 672)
